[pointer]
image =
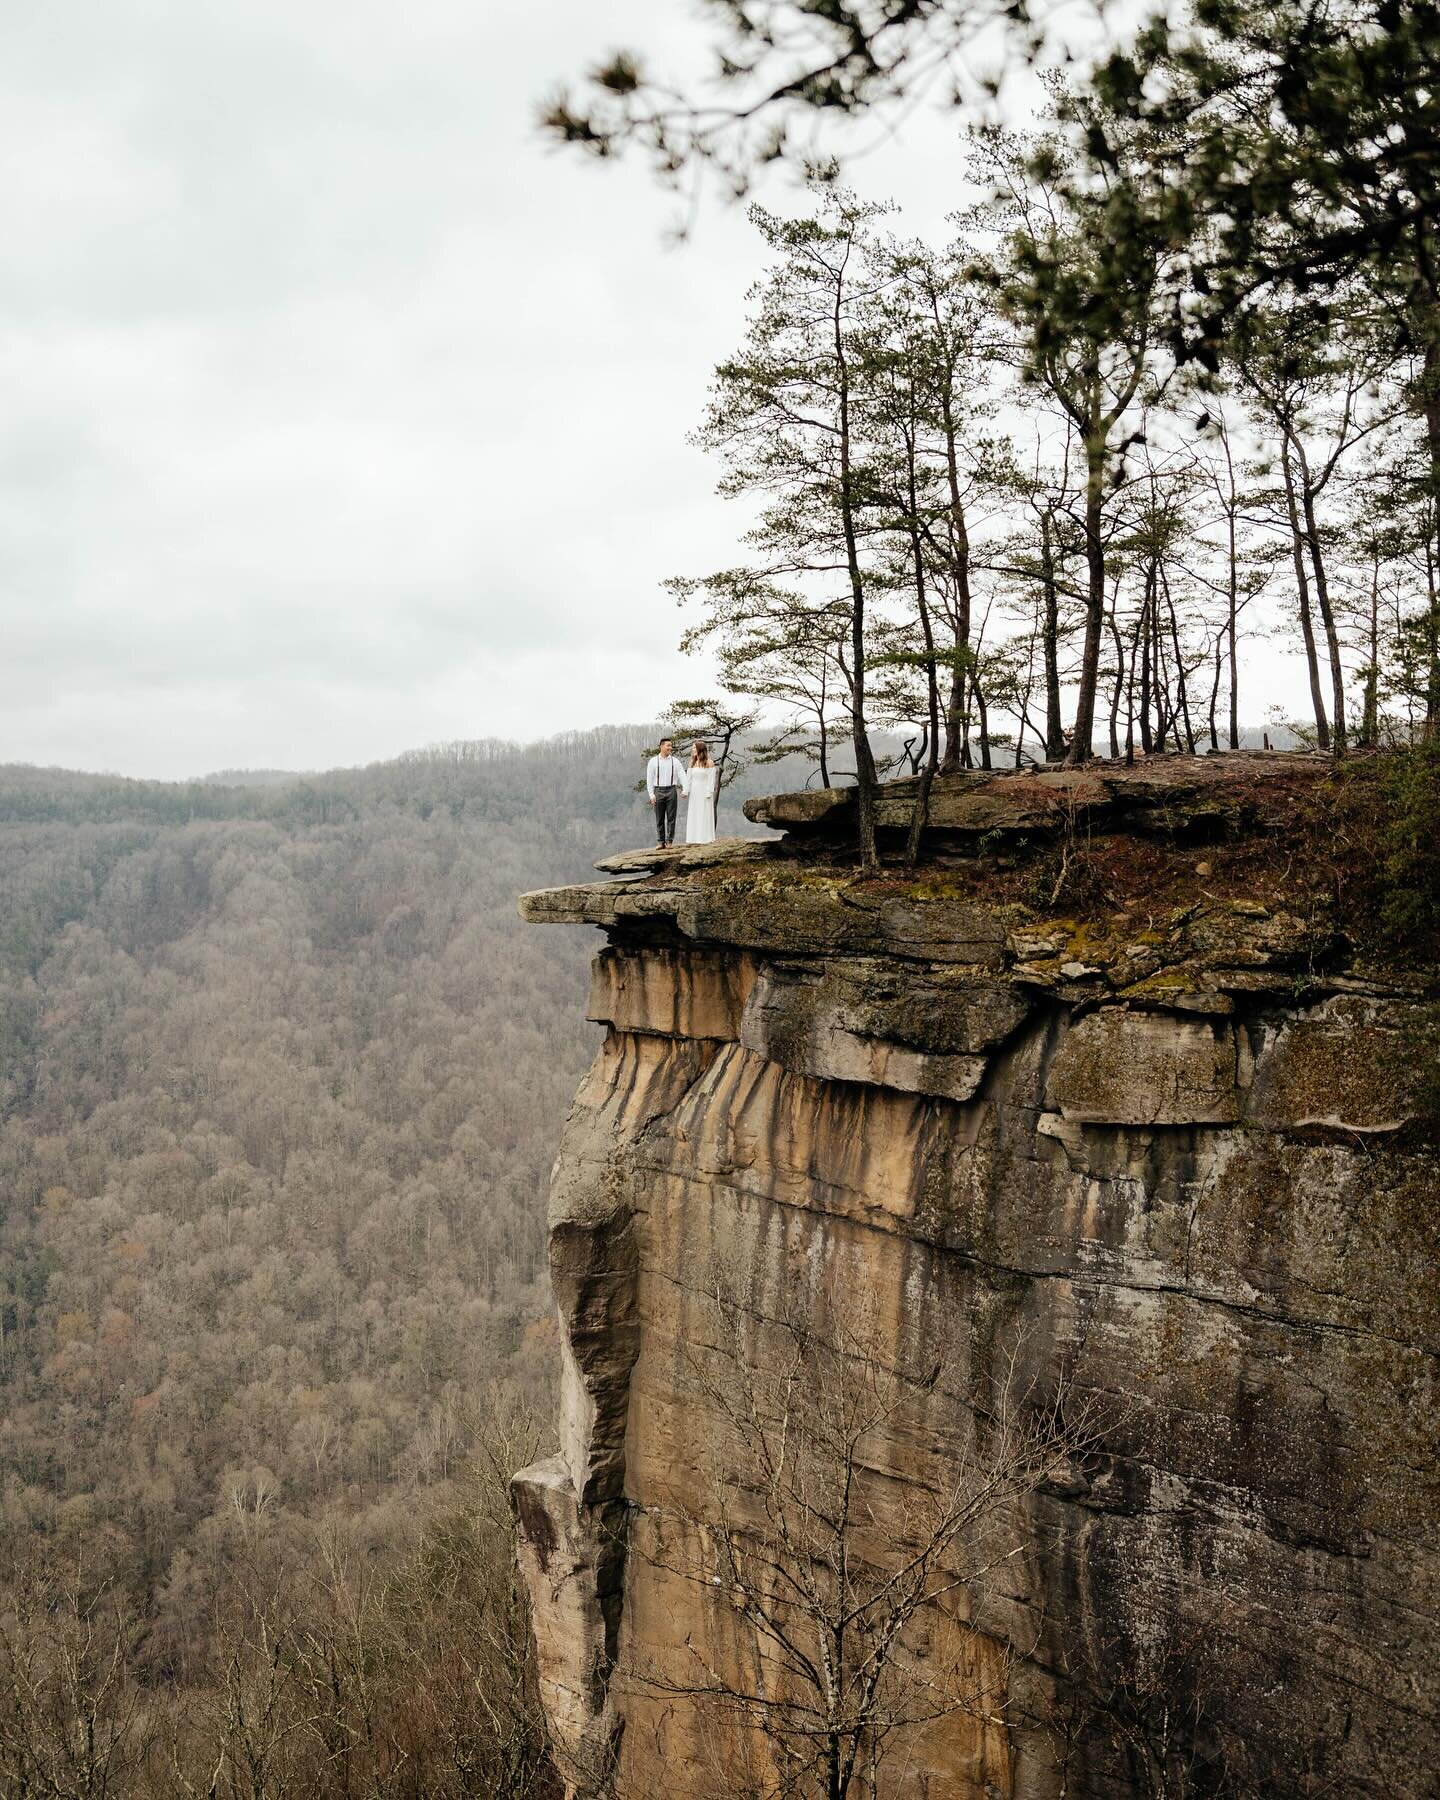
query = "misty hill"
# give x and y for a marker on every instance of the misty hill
(589, 774)
(254, 777)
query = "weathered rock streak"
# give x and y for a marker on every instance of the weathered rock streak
(1180, 1156)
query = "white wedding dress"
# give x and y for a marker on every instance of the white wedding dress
(700, 812)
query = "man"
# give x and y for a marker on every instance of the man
(665, 782)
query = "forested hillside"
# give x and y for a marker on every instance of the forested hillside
(282, 1078)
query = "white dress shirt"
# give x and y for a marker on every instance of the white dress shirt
(673, 774)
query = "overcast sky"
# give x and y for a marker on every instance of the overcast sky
(341, 414)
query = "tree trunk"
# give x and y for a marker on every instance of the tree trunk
(984, 713)
(955, 712)
(1215, 698)
(1234, 680)
(1118, 672)
(1055, 745)
(1370, 724)
(1119, 685)
(1130, 692)
(1164, 710)
(960, 569)
(865, 778)
(921, 816)
(1081, 747)
(1147, 672)
(1327, 612)
(720, 778)
(1179, 666)
(1432, 645)
(1302, 585)
(1024, 719)
(1428, 332)
(1231, 509)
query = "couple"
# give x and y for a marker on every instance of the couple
(666, 778)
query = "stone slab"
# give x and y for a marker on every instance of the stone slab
(1352, 1064)
(690, 856)
(671, 993)
(875, 1021)
(1119, 1067)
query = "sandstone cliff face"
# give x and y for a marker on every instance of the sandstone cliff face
(1179, 1156)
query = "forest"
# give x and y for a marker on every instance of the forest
(1162, 409)
(283, 1076)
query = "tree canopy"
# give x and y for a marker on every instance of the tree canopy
(1073, 460)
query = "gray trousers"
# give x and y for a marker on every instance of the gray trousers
(667, 805)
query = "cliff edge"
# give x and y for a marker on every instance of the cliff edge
(1121, 1100)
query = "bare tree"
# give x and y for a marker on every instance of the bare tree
(852, 1592)
(1312, 380)
(1057, 263)
(1154, 1716)
(71, 1723)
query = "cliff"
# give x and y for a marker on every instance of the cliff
(1117, 1102)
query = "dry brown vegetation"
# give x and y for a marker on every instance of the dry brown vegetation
(281, 1077)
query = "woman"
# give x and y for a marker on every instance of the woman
(700, 814)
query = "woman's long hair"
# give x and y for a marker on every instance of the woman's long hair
(700, 755)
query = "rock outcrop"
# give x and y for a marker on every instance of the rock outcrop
(1103, 1096)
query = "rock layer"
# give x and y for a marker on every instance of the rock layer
(1183, 1163)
